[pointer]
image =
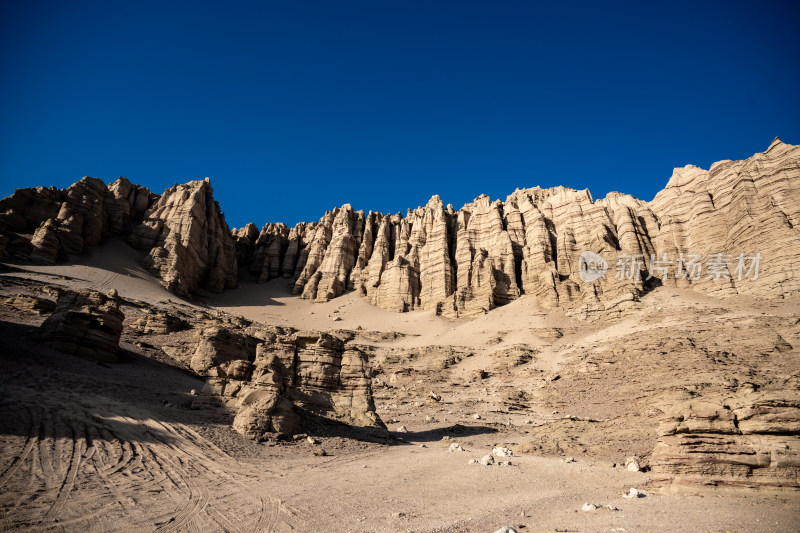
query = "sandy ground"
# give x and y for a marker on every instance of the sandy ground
(88, 447)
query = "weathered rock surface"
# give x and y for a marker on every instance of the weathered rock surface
(272, 377)
(728, 230)
(85, 323)
(32, 304)
(188, 243)
(745, 442)
(488, 253)
(736, 207)
(45, 225)
(159, 323)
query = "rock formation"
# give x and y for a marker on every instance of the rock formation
(183, 232)
(729, 230)
(745, 442)
(85, 323)
(45, 225)
(270, 377)
(32, 304)
(490, 252)
(188, 243)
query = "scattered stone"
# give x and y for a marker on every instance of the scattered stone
(487, 460)
(506, 529)
(435, 397)
(588, 507)
(312, 440)
(476, 416)
(455, 447)
(473, 461)
(632, 464)
(568, 460)
(320, 452)
(402, 429)
(634, 493)
(500, 451)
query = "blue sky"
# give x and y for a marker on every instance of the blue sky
(294, 107)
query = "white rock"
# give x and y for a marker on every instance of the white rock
(435, 397)
(455, 447)
(588, 507)
(473, 461)
(487, 460)
(500, 451)
(476, 416)
(632, 464)
(402, 429)
(311, 440)
(635, 493)
(569, 459)
(506, 529)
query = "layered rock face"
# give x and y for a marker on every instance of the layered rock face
(749, 442)
(45, 225)
(85, 323)
(183, 232)
(729, 230)
(188, 243)
(272, 377)
(490, 252)
(736, 207)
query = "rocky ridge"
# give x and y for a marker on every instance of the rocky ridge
(488, 253)
(736, 222)
(183, 233)
(188, 243)
(45, 225)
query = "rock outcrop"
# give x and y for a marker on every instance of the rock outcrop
(188, 243)
(710, 230)
(85, 323)
(28, 303)
(272, 378)
(736, 208)
(746, 442)
(45, 225)
(732, 229)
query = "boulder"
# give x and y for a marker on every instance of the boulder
(85, 323)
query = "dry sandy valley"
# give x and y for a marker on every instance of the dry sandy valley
(446, 371)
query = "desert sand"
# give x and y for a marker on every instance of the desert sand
(87, 446)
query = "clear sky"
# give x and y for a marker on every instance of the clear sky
(294, 107)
